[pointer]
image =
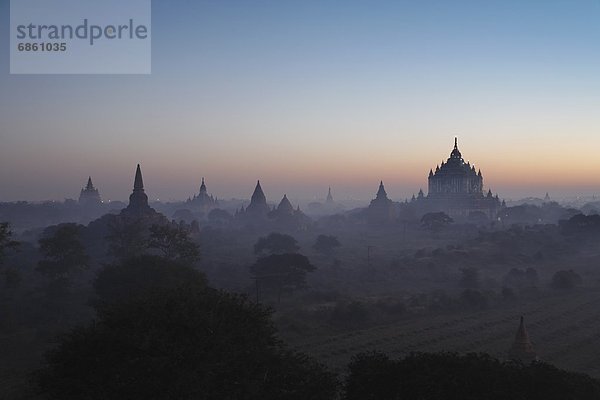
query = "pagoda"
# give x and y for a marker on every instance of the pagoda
(381, 209)
(89, 195)
(203, 200)
(522, 349)
(138, 200)
(258, 203)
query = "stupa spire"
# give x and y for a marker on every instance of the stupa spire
(522, 349)
(138, 183)
(381, 194)
(138, 200)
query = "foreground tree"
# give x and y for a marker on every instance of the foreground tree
(127, 237)
(181, 343)
(276, 243)
(63, 253)
(174, 242)
(139, 275)
(448, 376)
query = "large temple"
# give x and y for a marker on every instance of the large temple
(203, 200)
(456, 188)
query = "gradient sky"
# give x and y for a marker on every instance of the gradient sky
(307, 94)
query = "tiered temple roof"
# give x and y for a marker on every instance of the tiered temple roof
(89, 195)
(258, 202)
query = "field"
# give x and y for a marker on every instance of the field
(565, 331)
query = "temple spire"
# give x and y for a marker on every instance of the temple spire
(258, 202)
(381, 194)
(138, 200)
(138, 183)
(90, 185)
(522, 349)
(455, 142)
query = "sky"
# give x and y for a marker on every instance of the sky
(309, 94)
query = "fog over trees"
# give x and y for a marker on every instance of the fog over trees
(215, 299)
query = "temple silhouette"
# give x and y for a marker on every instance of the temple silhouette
(456, 188)
(203, 201)
(89, 196)
(381, 209)
(284, 216)
(522, 349)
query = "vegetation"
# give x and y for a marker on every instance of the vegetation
(175, 339)
(136, 276)
(282, 271)
(63, 253)
(6, 241)
(326, 244)
(174, 242)
(566, 279)
(276, 243)
(448, 376)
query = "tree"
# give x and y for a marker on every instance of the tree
(279, 271)
(127, 237)
(6, 242)
(11, 276)
(174, 242)
(449, 376)
(276, 243)
(326, 244)
(565, 279)
(181, 343)
(435, 221)
(63, 253)
(139, 275)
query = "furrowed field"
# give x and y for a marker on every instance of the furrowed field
(565, 330)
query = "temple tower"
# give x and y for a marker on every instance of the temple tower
(381, 209)
(89, 195)
(138, 200)
(258, 202)
(285, 207)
